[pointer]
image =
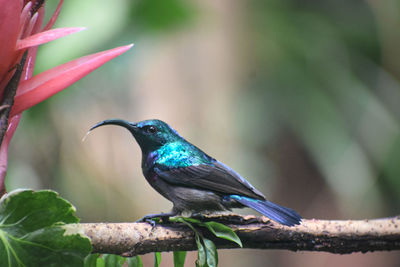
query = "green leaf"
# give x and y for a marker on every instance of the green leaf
(90, 260)
(207, 253)
(135, 262)
(34, 230)
(222, 231)
(218, 229)
(201, 253)
(185, 219)
(105, 260)
(112, 260)
(211, 253)
(175, 219)
(192, 220)
(100, 262)
(179, 258)
(157, 259)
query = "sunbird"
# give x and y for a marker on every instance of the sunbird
(192, 180)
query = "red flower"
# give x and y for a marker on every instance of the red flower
(20, 31)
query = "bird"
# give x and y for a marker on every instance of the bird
(191, 179)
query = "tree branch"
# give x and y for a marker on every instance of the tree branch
(129, 239)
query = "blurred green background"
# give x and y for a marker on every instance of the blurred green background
(300, 97)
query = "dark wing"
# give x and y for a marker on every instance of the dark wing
(216, 177)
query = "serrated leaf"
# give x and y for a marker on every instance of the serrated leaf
(211, 252)
(33, 230)
(112, 260)
(222, 231)
(135, 262)
(35, 210)
(91, 259)
(157, 259)
(179, 258)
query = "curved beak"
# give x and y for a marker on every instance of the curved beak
(126, 124)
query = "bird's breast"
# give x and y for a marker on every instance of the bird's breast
(148, 161)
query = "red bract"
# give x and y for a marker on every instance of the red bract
(20, 31)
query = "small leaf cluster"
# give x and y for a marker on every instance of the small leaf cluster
(207, 252)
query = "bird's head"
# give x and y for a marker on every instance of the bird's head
(150, 134)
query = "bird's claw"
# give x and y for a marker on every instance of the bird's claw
(150, 220)
(153, 219)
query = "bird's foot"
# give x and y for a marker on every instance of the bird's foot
(153, 219)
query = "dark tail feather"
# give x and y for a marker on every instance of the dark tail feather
(277, 213)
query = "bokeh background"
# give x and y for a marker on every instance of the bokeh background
(300, 97)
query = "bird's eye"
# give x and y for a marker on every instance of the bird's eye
(150, 129)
